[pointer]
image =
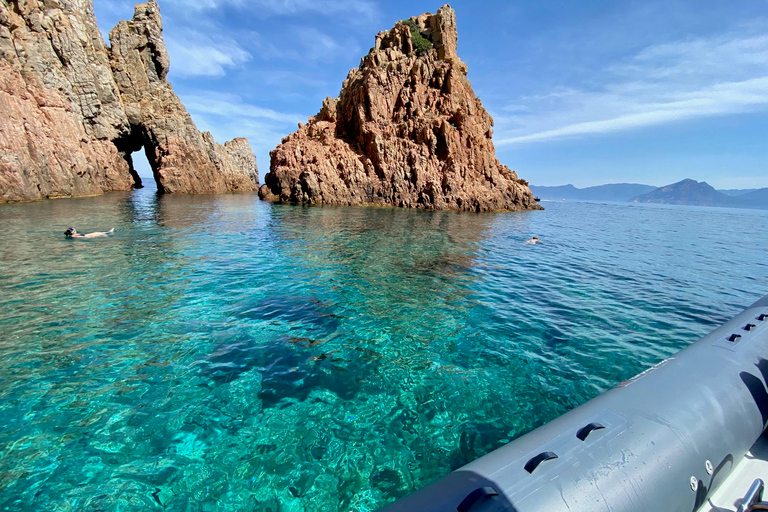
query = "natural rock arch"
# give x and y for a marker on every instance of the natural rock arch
(75, 110)
(130, 144)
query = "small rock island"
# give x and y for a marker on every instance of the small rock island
(406, 130)
(74, 110)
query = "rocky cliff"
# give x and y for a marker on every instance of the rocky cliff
(407, 130)
(74, 110)
(183, 159)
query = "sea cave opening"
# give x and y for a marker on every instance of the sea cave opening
(141, 164)
(141, 170)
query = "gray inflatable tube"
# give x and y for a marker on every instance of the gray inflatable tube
(662, 441)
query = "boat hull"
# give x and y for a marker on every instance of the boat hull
(663, 441)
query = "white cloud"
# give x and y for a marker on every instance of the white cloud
(301, 43)
(280, 78)
(232, 106)
(516, 108)
(228, 116)
(661, 84)
(363, 9)
(196, 54)
(318, 46)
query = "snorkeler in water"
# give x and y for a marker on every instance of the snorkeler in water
(72, 233)
(533, 240)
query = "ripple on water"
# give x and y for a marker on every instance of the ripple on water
(224, 354)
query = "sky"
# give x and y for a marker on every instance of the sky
(583, 92)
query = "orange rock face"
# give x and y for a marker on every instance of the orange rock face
(407, 130)
(183, 159)
(59, 106)
(73, 110)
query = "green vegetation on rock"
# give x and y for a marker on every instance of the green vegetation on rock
(420, 43)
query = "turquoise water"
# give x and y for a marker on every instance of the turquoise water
(219, 353)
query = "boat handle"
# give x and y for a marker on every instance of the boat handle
(476, 496)
(585, 431)
(734, 337)
(762, 317)
(753, 496)
(749, 327)
(532, 464)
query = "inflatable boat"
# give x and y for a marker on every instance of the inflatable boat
(684, 436)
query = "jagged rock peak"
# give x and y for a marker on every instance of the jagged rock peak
(148, 24)
(439, 29)
(406, 130)
(184, 160)
(74, 110)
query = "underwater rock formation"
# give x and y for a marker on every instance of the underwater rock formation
(74, 110)
(406, 130)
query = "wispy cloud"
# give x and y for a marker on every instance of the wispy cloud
(364, 9)
(231, 105)
(305, 44)
(661, 84)
(196, 54)
(228, 116)
(319, 46)
(305, 80)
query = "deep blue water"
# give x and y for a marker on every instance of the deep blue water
(220, 353)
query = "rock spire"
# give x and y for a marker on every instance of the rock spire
(184, 159)
(74, 110)
(406, 130)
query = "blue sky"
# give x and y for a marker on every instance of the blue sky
(582, 92)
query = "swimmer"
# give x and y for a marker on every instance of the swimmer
(533, 240)
(72, 233)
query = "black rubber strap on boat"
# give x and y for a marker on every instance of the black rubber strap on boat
(532, 464)
(585, 431)
(475, 496)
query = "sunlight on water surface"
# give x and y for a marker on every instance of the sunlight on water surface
(219, 353)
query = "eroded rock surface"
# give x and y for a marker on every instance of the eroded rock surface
(407, 130)
(60, 106)
(184, 159)
(69, 123)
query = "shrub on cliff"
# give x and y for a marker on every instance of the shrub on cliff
(420, 43)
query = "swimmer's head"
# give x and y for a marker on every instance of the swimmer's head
(70, 232)
(535, 238)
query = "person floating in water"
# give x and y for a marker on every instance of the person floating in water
(533, 240)
(72, 233)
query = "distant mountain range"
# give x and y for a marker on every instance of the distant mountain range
(686, 192)
(612, 192)
(737, 191)
(692, 192)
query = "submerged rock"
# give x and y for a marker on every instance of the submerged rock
(74, 110)
(406, 130)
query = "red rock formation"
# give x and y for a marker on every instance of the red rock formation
(407, 130)
(64, 130)
(183, 159)
(60, 107)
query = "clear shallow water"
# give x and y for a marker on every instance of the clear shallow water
(219, 353)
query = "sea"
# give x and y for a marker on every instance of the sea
(219, 353)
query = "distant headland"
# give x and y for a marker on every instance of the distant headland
(685, 192)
